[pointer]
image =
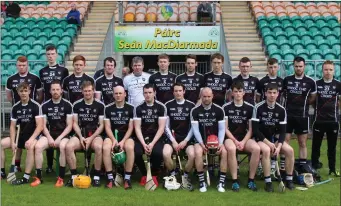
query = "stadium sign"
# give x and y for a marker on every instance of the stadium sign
(167, 38)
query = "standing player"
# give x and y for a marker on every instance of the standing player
(239, 135)
(27, 114)
(119, 116)
(23, 75)
(125, 72)
(208, 119)
(72, 83)
(192, 80)
(271, 77)
(269, 126)
(149, 121)
(326, 116)
(218, 81)
(178, 111)
(53, 71)
(300, 91)
(106, 82)
(163, 80)
(57, 114)
(88, 115)
(251, 83)
(134, 82)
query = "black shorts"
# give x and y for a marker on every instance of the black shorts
(298, 125)
(190, 142)
(22, 140)
(55, 134)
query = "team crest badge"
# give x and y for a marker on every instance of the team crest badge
(126, 112)
(213, 113)
(95, 110)
(252, 82)
(216, 81)
(244, 112)
(197, 79)
(224, 80)
(143, 79)
(303, 84)
(276, 114)
(155, 110)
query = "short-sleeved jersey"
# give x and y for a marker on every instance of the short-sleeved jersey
(50, 73)
(98, 73)
(265, 81)
(134, 86)
(297, 93)
(56, 114)
(119, 118)
(149, 116)
(25, 115)
(179, 117)
(220, 85)
(208, 118)
(88, 114)
(269, 118)
(238, 117)
(105, 87)
(14, 80)
(72, 86)
(192, 83)
(251, 85)
(164, 85)
(327, 107)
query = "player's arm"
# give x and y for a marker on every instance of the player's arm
(255, 126)
(221, 126)
(12, 131)
(65, 88)
(137, 125)
(108, 130)
(195, 126)
(227, 130)
(168, 131)
(99, 129)
(46, 131)
(67, 130)
(98, 92)
(9, 95)
(249, 132)
(39, 126)
(313, 92)
(76, 127)
(161, 129)
(129, 131)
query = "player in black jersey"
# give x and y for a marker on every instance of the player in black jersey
(72, 83)
(251, 83)
(23, 75)
(192, 80)
(98, 73)
(238, 114)
(88, 115)
(326, 116)
(119, 117)
(57, 114)
(12, 94)
(163, 80)
(271, 77)
(299, 91)
(209, 119)
(149, 121)
(27, 114)
(53, 71)
(218, 81)
(269, 122)
(106, 82)
(179, 132)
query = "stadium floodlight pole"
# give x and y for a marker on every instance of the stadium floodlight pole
(120, 12)
(214, 13)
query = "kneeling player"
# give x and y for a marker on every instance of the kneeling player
(269, 120)
(57, 126)
(88, 126)
(239, 131)
(119, 116)
(27, 114)
(208, 119)
(179, 125)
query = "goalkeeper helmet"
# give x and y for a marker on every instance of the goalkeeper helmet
(81, 181)
(119, 158)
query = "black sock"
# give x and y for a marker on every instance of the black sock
(251, 180)
(49, 157)
(73, 171)
(303, 161)
(17, 163)
(222, 177)
(140, 164)
(61, 172)
(234, 181)
(26, 177)
(201, 177)
(282, 162)
(110, 175)
(3, 172)
(38, 172)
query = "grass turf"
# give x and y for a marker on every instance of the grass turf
(46, 194)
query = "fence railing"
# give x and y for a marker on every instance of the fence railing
(180, 67)
(108, 44)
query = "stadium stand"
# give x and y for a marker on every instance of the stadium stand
(309, 29)
(34, 29)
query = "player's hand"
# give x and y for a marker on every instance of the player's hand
(241, 146)
(145, 147)
(50, 141)
(87, 142)
(28, 143)
(113, 145)
(220, 148)
(182, 144)
(57, 142)
(203, 147)
(121, 145)
(13, 146)
(150, 148)
(277, 150)
(175, 146)
(272, 147)
(82, 141)
(236, 142)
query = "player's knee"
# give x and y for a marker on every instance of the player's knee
(302, 143)
(198, 152)
(106, 148)
(266, 152)
(255, 150)
(190, 154)
(69, 148)
(97, 147)
(231, 149)
(129, 147)
(38, 148)
(290, 151)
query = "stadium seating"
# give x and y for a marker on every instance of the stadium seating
(308, 29)
(34, 29)
(181, 11)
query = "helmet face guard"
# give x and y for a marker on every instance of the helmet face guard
(119, 158)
